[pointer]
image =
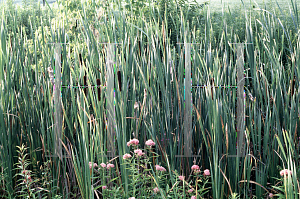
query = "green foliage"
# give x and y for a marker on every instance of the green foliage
(28, 184)
(171, 12)
(152, 75)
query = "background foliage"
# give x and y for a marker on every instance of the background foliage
(149, 32)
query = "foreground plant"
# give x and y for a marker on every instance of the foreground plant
(25, 185)
(30, 186)
(285, 186)
(148, 181)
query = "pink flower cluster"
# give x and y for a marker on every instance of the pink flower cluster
(150, 143)
(195, 167)
(103, 165)
(126, 156)
(156, 190)
(285, 172)
(181, 178)
(206, 172)
(104, 187)
(160, 168)
(191, 190)
(133, 142)
(193, 197)
(92, 165)
(108, 166)
(139, 152)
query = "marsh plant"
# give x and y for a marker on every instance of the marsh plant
(30, 185)
(148, 100)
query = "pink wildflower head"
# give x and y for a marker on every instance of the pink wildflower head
(134, 142)
(285, 172)
(108, 166)
(126, 156)
(195, 167)
(193, 197)
(271, 195)
(160, 168)
(103, 165)
(191, 190)
(139, 152)
(132, 198)
(156, 190)
(206, 172)
(150, 143)
(91, 165)
(104, 187)
(181, 178)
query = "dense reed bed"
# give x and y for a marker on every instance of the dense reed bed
(149, 100)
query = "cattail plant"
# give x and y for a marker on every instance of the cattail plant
(148, 85)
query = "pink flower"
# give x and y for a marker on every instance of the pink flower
(150, 143)
(104, 187)
(156, 190)
(206, 172)
(132, 198)
(271, 195)
(103, 165)
(193, 197)
(159, 168)
(285, 172)
(139, 152)
(126, 156)
(133, 142)
(195, 167)
(191, 190)
(92, 165)
(181, 178)
(110, 166)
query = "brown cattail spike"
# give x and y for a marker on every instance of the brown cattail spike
(212, 81)
(293, 86)
(80, 59)
(119, 80)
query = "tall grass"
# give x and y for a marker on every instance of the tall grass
(152, 75)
